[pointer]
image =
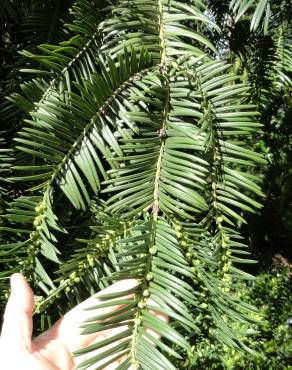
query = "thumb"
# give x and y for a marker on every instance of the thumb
(17, 324)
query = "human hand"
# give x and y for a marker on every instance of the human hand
(52, 349)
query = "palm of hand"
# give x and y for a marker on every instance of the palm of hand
(52, 349)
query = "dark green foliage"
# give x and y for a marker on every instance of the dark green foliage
(271, 337)
(132, 151)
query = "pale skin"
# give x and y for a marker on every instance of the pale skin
(52, 349)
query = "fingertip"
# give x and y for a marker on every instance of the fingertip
(21, 296)
(126, 284)
(15, 279)
(17, 323)
(122, 285)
